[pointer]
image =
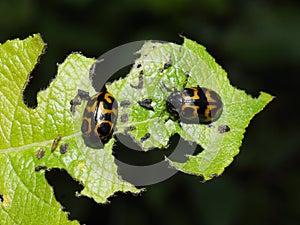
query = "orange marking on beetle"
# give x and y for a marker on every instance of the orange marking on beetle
(194, 108)
(89, 122)
(210, 98)
(212, 106)
(207, 112)
(108, 97)
(91, 108)
(194, 97)
(107, 111)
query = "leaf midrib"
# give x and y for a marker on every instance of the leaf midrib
(37, 144)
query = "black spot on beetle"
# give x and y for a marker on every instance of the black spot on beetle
(125, 103)
(40, 153)
(146, 103)
(139, 65)
(145, 137)
(1, 198)
(124, 118)
(223, 128)
(40, 167)
(63, 148)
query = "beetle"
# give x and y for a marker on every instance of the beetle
(99, 119)
(194, 105)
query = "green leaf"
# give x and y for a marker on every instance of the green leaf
(26, 197)
(169, 63)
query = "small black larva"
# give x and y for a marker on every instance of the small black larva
(125, 103)
(63, 148)
(144, 138)
(146, 103)
(223, 129)
(139, 65)
(130, 128)
(168, 64)
(124, 118)
(40, 167)
(55, 143)
(40, 153)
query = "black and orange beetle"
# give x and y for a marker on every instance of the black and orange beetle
(194, 105)
(99, 119)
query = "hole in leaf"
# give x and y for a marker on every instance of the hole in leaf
(40, 78)
(134, 155)
(78, 208)
(198, 150)
(131, 153)
(82, 208)
(98, 82)
(128, 156)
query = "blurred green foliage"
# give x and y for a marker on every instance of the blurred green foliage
(257, 42)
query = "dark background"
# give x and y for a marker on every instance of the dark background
(257, 42)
